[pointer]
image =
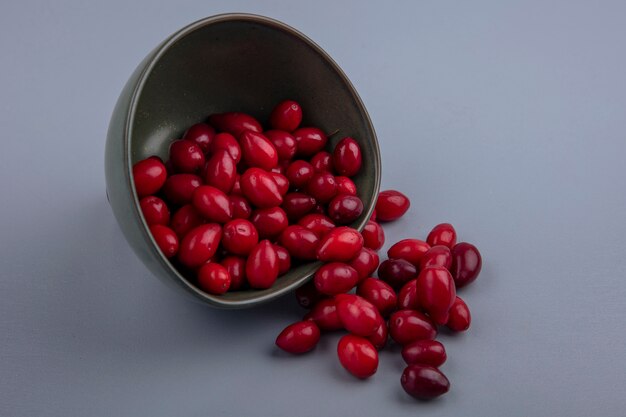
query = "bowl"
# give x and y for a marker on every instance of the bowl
(229, 62)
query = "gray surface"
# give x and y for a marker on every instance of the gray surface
(506, 120)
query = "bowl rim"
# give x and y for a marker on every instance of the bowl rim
(147, 69)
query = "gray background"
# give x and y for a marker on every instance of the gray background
(504, 118)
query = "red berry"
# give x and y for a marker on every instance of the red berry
(236, 268)
(257, 150)
(357, 315)
(299, 173)
(165, 239)
(322, 162)
(259, 187)
(186, 156)
(212, 204)
(299, 337)
(213, 278)
(154, 210)
(365, 262)
(227, 142)
(344, 209)
(317, 223)
(373, 235)
(287, 115)
(322, 187)
(307, 295)
(397, 272)
(221, 171)
(281, 182)
(410, 250)
(201, 134)
(284, 260)
(460, 317)
(179, 188)
(345, 186)
(436, 256)
(324, 314)
(300, 242)
(335, 278)
(240, 207)
(309, 140)
(236, 190)
(239, 237)
(380, 336)
(269, 222)
(379, 293)
(185, 219)
(358, 356)
(436, 292)
(347, 157)
(235, 123)
(262, 265)
(199, 245)
(149, 176)
(406, 326)
(466, 264)
(284, 143)
(424, 382)
(296, 205)
(341, 244)
(424, 352)
(407, 297)
(391, 205)
(442, 234)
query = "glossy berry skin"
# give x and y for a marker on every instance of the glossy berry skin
(185, 219)
(299, 337)
(284, 143)
(358, 356)
(269, 222)
(335, 278)
(259, 187)
(301, 243)
(379, 293)
(297, 205)
(411, 250)
(345, 186)
(236, 190)
(227, 142)
(186, 156)
(257, 150)
(262, 265)
(391, 205)
(308, 296)
(459, 316)
(373, 235)
(240, 207)
(236, 267)
(322, 187)
(213, 278)
(287, 115)
(239, 237)
(357, 315)
(317, 223)
(347, 157)
(341, 244)
(406, 326)
(436, 292)
(165, 239)
(397, 272)
(234, 123)
(149, 175)
(442, 234)
(154, 210)
(407, 297)
(466, 264)
(324, 314)
(437, 256)
(322, 162)
(424, 382)
(179, 188)
(344, 209)
(425, 352)
(281, 182)
(299, 173)
(202, 135)
(365, 262)
(284, 260)
(380, 336)
(309, 140)
(212, 204)
(221, 171)
(199, 245)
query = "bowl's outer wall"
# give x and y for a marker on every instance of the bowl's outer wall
(237, 63)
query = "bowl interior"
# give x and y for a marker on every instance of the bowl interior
(248, 63)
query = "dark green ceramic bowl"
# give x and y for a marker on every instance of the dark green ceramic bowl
(230, 62)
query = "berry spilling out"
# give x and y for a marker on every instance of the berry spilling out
(235, 206)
